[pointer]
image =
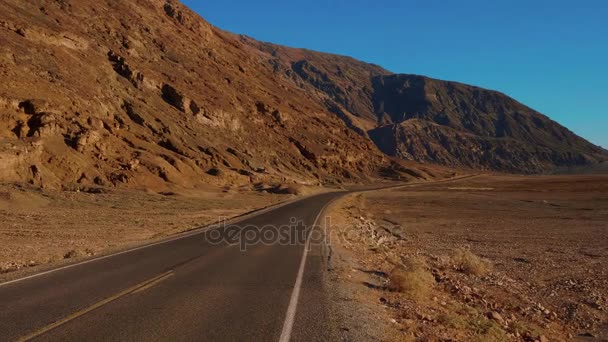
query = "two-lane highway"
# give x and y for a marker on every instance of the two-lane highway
(186, 289)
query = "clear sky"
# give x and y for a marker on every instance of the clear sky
(550, 55)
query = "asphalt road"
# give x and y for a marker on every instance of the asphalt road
(189, 289)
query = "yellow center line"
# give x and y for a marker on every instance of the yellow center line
(152, 283)
(135, 289)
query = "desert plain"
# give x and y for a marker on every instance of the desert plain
(487, 258)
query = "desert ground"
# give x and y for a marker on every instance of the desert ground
(488, 258)
(45, 227)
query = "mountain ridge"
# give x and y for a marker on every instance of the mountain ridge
(149, 93)
(367, 104)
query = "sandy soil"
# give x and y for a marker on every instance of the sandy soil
(39, 227)
(508, 258)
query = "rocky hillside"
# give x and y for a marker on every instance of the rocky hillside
(144, 93)
(456, 124)
(428, 120)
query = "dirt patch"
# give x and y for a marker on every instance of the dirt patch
(523, 262)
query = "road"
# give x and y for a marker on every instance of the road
(186, 289)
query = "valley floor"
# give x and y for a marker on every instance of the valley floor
(41, 227)
(509, 258)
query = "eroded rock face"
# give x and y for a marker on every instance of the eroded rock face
(178, 100)
(36, 122)
(89, 139)
(152, 82)
(42, 125)
(120, 65)
(175, 13)
(18, 162)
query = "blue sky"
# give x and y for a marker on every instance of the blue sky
(550, 55)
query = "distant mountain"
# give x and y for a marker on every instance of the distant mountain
(418, 118)
(144, 93)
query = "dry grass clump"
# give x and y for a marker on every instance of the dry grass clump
(469, 263)
(412, 278)
(465, 319)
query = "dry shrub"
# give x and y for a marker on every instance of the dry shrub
(412, 278)
(469, 263)
(462, 318)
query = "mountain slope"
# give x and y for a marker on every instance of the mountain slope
(146, 92)
(418, 118)
(472, 127)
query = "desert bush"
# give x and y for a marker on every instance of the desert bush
(469, 263)
(480, 329)
(412, 278)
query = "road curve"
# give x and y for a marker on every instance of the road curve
(189, 289)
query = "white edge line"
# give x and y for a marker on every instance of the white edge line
(175, 238)
(290, 316)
